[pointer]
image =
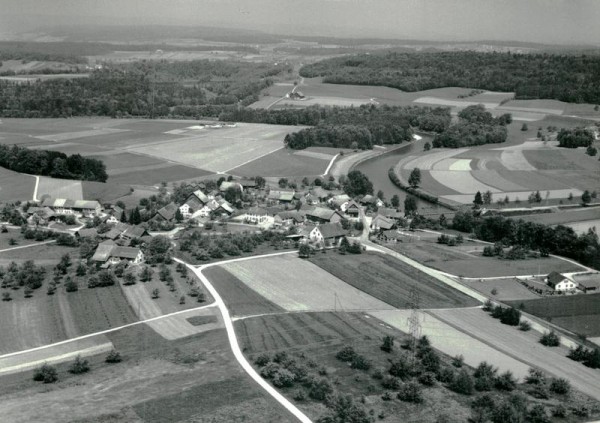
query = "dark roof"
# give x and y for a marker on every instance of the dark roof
(168, 211)
(125, 252)
(135, 232)
(554, 277)
(247, 183)
(103, 251)
(87, 232)
(331, 230)
(382, 222)
(321, 213)
(389, 212)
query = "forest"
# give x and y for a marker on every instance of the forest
(560, 240)
(476, 126)
(141, 89)
(52, 163)
(569, 78)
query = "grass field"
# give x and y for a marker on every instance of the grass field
(16, 235)
(59, 188)
(190, 379)
(577, 313)
(46, 254)
(461, 261)
(505, 289)
(299, 285)
(390, 280)
(284, 162)
(15, 186)
(564, 216)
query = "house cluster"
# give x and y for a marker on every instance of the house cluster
(571, 283)
(117, 244)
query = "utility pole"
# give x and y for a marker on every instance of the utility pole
(414, 323)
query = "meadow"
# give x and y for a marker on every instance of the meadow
(15, 186)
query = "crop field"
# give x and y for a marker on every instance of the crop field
(299, 285)
(453, 341)
(98, 309)
(564, 216)
(578, 313)
(514, 171)
(284, 162)
(180, 326)
(457, 261)
(391, 280)
(239, 298)
(29, 323)
(506, 289)
(60, 188)
(306, 330)
(523, 346)
(15, 186)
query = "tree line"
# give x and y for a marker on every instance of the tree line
(52, 163)
(560, 240)
(158, 89)
(570, 78)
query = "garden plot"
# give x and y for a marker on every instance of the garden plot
(461, 165)
(298, 285)
(523, 346)
(60, 188)
(221, 150)
(178, 326)
(463, 182)
(453, 342)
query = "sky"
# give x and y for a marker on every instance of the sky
(543, 21)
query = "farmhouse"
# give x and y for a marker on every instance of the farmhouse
(166, 214)
(256, 215)
(132, 232)
(248, 183)
(390, 236)
(323, 215)
(328, 233)
(87, 233)
(281, 196)
(339, 200)
(389, 213)
(371, 200)
(109, 253)
(559, 282)
(588, 282)
(310, 199)
(288, 218)
(380, 222)
(80, 207)
(351, 207)
(193, 203)
(320, 193)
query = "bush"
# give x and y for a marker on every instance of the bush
(410, 392)
(550, 339)
(402, 368)
(113, 357)
(538, 414)
(346, 354)
(535, 377)
(320, 389)
(390, 382)
(427, 379)
(299, 395)
(79, 366)
(270, 370)
(539, 392)
(560, 386)
(458, 361)
(524, 325)
(462, 383)
(506, 382)
(262, 360)
(360, 362)
(283, 379)
(446, 375)
(559, 411)
(387, 396)
(46, 374)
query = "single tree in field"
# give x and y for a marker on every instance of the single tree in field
(478, 200)
(570, 197)
(113, 357)
(410, 205)
(46, 374)
(388, 344)
(415, 177)
(487, 197)
(524, 127)
(586, 198)
(395, 201)
(427, 146)
(79, 366)
(155, 293)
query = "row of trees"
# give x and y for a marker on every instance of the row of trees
(561, 240)
(570, 78)
(52, 163)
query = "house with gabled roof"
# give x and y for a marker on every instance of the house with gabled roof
(371, 200)
(389, 212)
(327, 233)
(109, 253)
(283, 196)
(166, 214)
(351, 207)
(560, 282)
(380, 222)
(194, 202)
(66, 206)
(323, 215)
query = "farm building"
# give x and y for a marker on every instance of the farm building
(390, 236)
(371, 200)
(288, 218)
(87, 233)
(297, 95)
(328, 233)
(380, 222)
(588, 282)
(339, 200)
(248, 183)
(310, 199)
(320, 193)
(225, 185)
(281, 196)
(195, 201)
(323, 215)
(559, 282)
(167, 213)
(78, 207)
(389, 213)
(256, 215)
(109, 253)
(351, 208)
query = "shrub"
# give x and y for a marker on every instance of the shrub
(560, 386)
(390, 382)
(427, 379)
(387, 396)
(550, 339)
(262, 360)
(283, 379)
(462, 383)
(510, 316)
(488, 305)
(484, 383)
(559, 411)
(401, 368)
(270, 370)
(320, 389)
(113, 357)
(410, 392)
(506, 382)
(458, 361)
(280, 357)
(46, 374)
(539, 392)
(299, 395)
(377, 374)
(446, 375)
(346, 354)
(538, 414)
(535, 377)
(71, 285)
(388, 344)
(524, 325)
(360, 362)
(79, 366)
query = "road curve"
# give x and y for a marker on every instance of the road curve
(237, 352)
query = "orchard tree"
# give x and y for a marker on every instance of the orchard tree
(427, 146)
(395, 201)
(410, 205)
(586, 198)
(357, 183)
(415, 177)
(478, 200)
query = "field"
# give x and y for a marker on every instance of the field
(391, 280)
(189, 379)
(16, 235)
(505, 289)
(239, 298)
(578, 313)
(564, 216)
(523, 346)
(45, 253)
(59, 188)
(467, 261)
(298, 285)
(285, 162)
(15, 186)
